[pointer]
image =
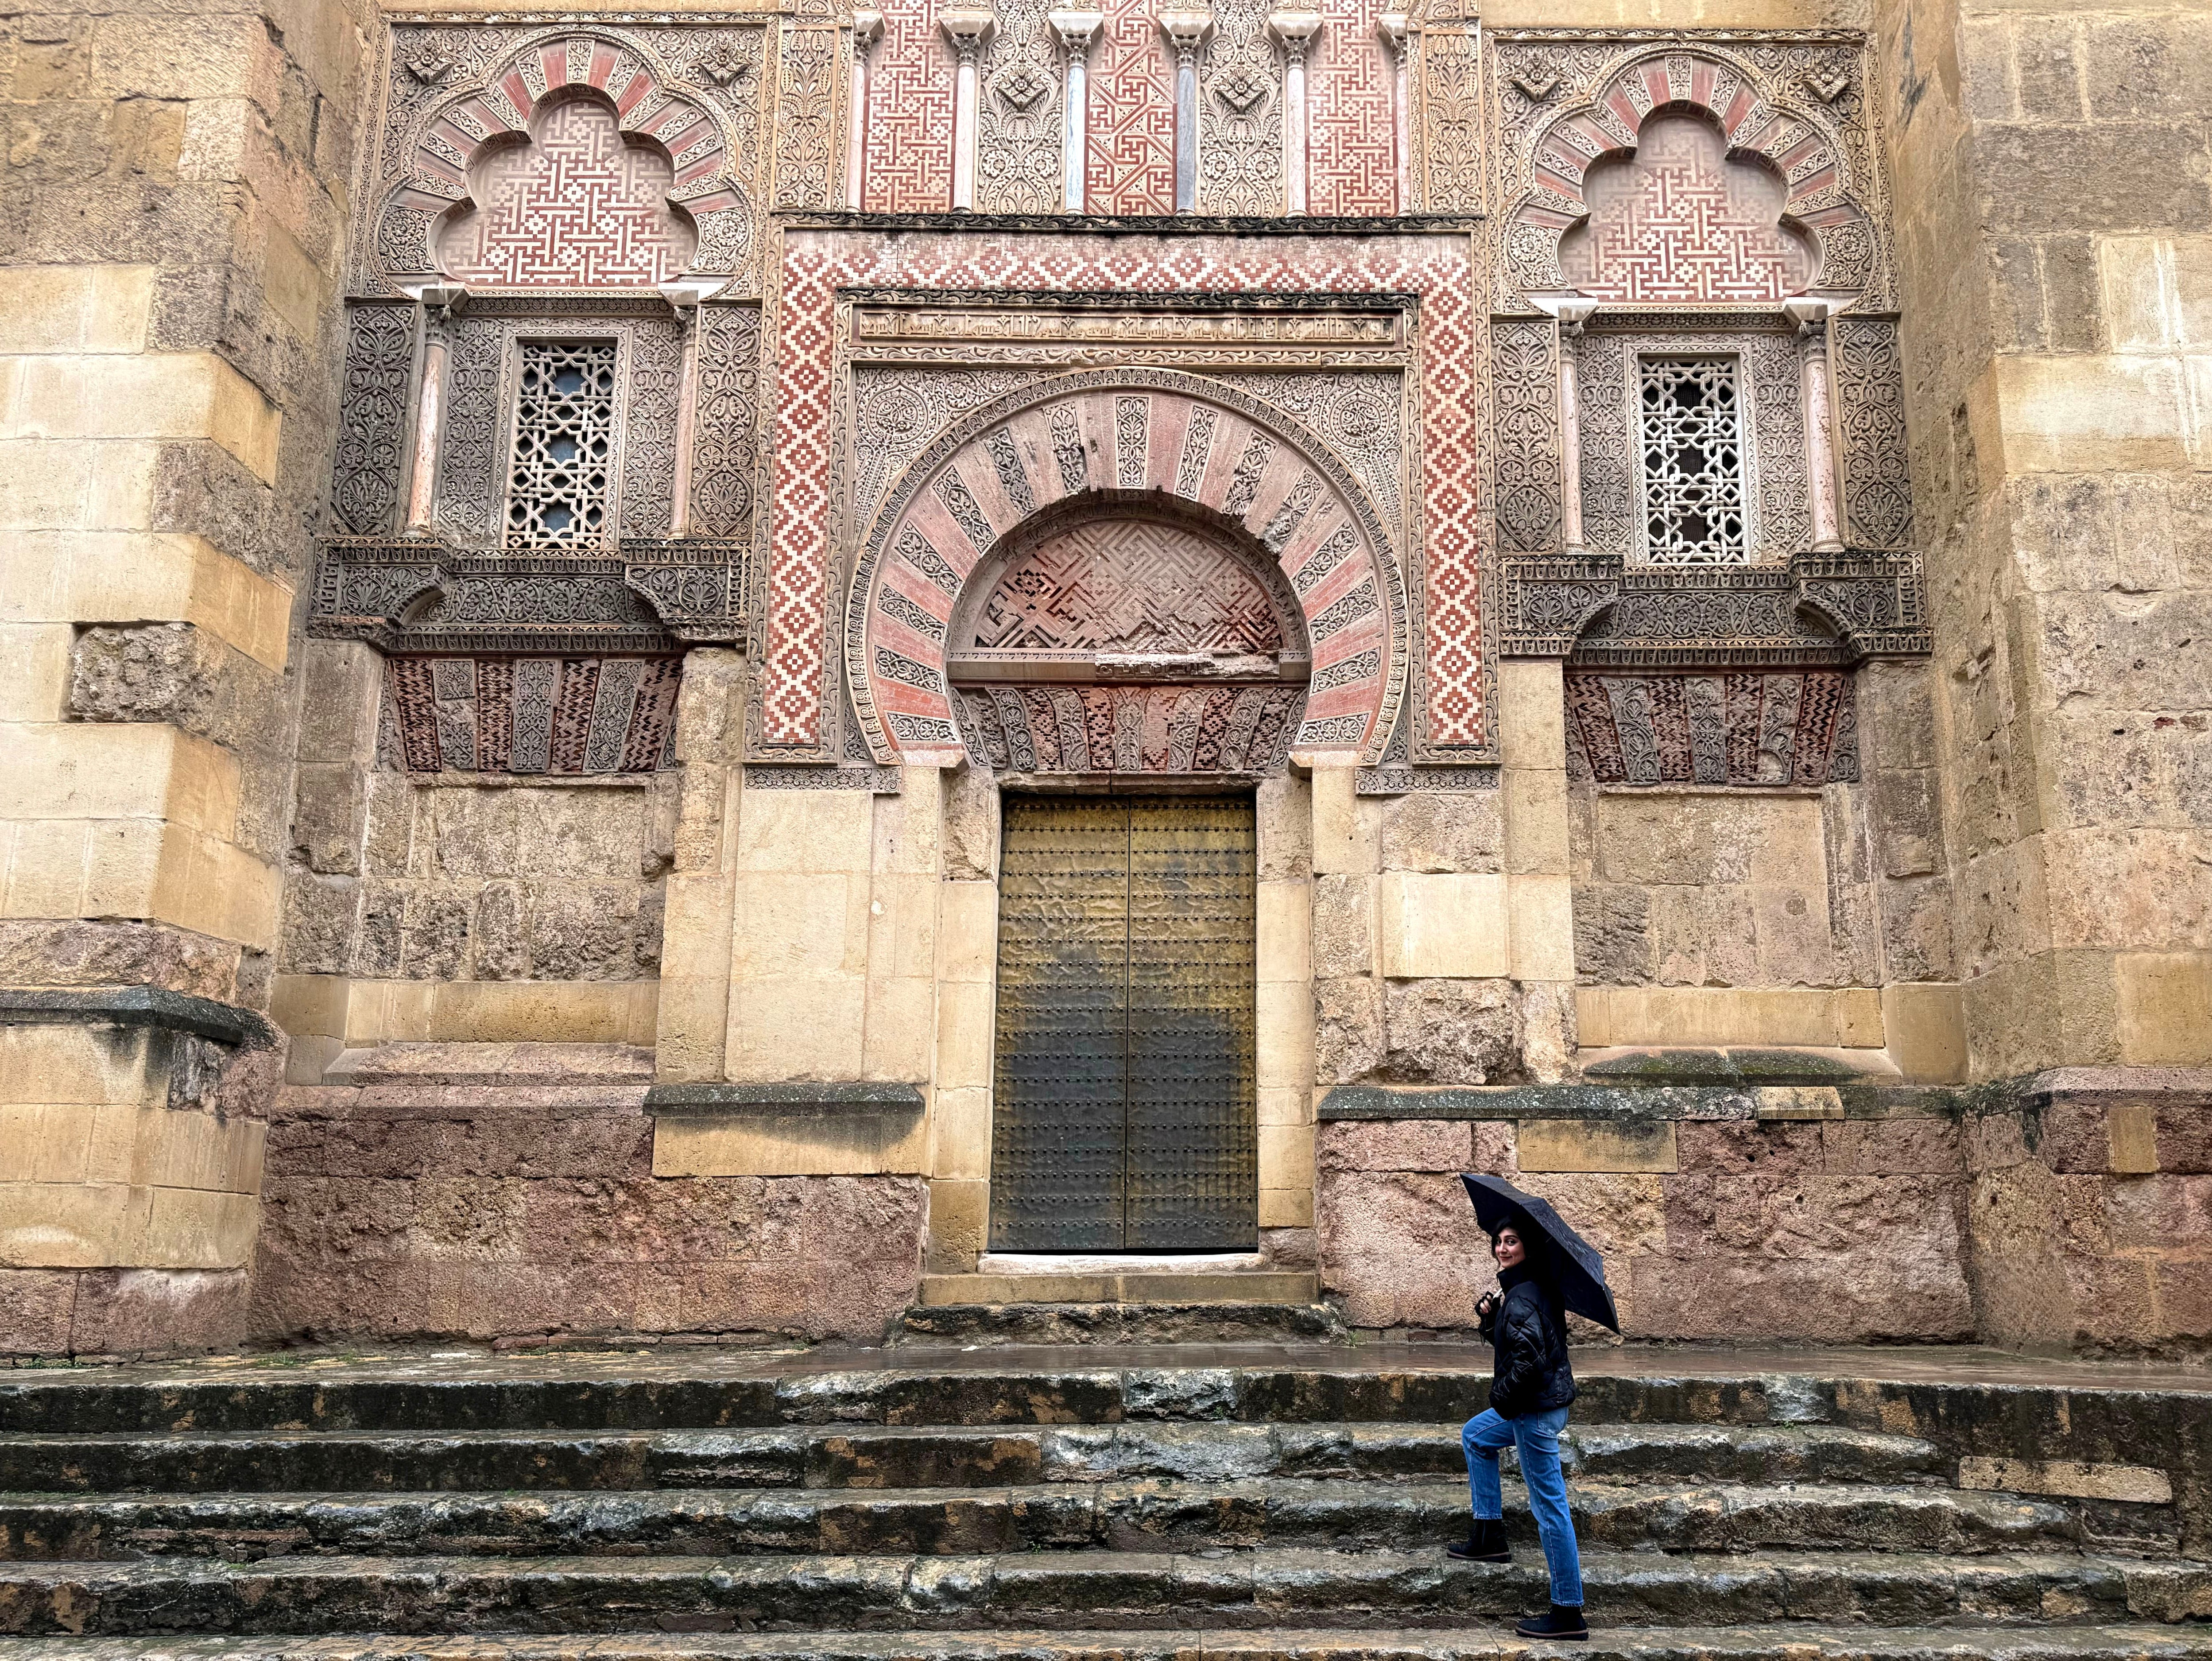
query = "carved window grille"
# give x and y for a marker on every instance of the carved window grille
(1691, 428)
(560, 487)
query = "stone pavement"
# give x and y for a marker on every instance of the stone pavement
(1137, 1503)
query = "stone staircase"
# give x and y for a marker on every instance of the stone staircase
(1287, 1501)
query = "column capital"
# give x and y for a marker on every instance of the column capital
(1076, 29)
(967, 31)
(1295, 29)
(1573, 310)
(1395, 29)
(867, 29)
(437, 295)
(1807, 314)
(1187, 30)
(686, 293)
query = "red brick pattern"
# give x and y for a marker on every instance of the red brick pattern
(571, 70)
(1131, 156)
(1678, 221)
(1129, 585)
(1806, 165)
(576, 207)
(1143, 585)
(911, 91)
(1352, 168)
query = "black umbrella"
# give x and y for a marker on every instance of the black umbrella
(1578, 1268)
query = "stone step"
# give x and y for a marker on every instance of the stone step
(889, 1455)
(1492, 1641)
(1010, 1309)
(650, 1393)
(1247, 1589)
(1147, 1516)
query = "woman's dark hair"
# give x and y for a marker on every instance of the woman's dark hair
(1536, 1252)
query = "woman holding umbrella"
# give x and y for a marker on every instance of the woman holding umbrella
(1544, 1267)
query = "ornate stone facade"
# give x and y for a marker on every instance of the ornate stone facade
(1550, 478)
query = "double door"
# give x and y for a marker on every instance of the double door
(1124, 1115)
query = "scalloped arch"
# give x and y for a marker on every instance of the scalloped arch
(1821, 198)
(560, 63)
(1123, 437)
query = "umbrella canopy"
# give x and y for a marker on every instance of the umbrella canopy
(1580, 1270)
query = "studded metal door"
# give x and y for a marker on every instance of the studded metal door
(1124, 1114)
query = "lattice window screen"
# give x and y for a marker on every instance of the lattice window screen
(561, 485)
(1691, 428)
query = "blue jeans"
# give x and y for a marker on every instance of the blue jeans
(1536, 1435)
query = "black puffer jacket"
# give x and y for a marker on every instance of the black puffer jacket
(1530, 1335)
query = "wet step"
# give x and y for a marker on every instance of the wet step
(1053, 1590)
(1147, 1516)
(880, 1456)
(1796, 1642)
(625, 1395)
(1119, 1308)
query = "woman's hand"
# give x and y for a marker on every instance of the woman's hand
(1486, 1306)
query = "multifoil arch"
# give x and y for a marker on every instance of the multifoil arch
(1823, 198)
(501, 105)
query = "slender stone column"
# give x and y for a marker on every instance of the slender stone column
(1811, 316)
(1572, 314)
(867, 29)
(684, 297)
(1296, 30)
(967, 31)
(438, 301)
(1076, 30)
(1395, 31)
(1185, 32)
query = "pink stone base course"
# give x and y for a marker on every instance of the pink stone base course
(2008, 1228)
(90, 1313)
(486, 1212)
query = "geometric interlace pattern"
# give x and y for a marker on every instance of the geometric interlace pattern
(1128, 585)
(564, 433)
(1678, 221)
(577, 206)
(1690, 425)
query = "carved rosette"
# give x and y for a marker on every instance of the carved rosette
(1240, 114)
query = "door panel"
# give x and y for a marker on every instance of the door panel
(1124, 1106)
(1060, 1097)
(1192, 1170)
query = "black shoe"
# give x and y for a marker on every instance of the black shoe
(1564, 1622)
(1485, 1543)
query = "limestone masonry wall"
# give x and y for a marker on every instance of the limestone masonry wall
(2054, 282)
(1842, 1232)
(170, 333)
(2071, 1217)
